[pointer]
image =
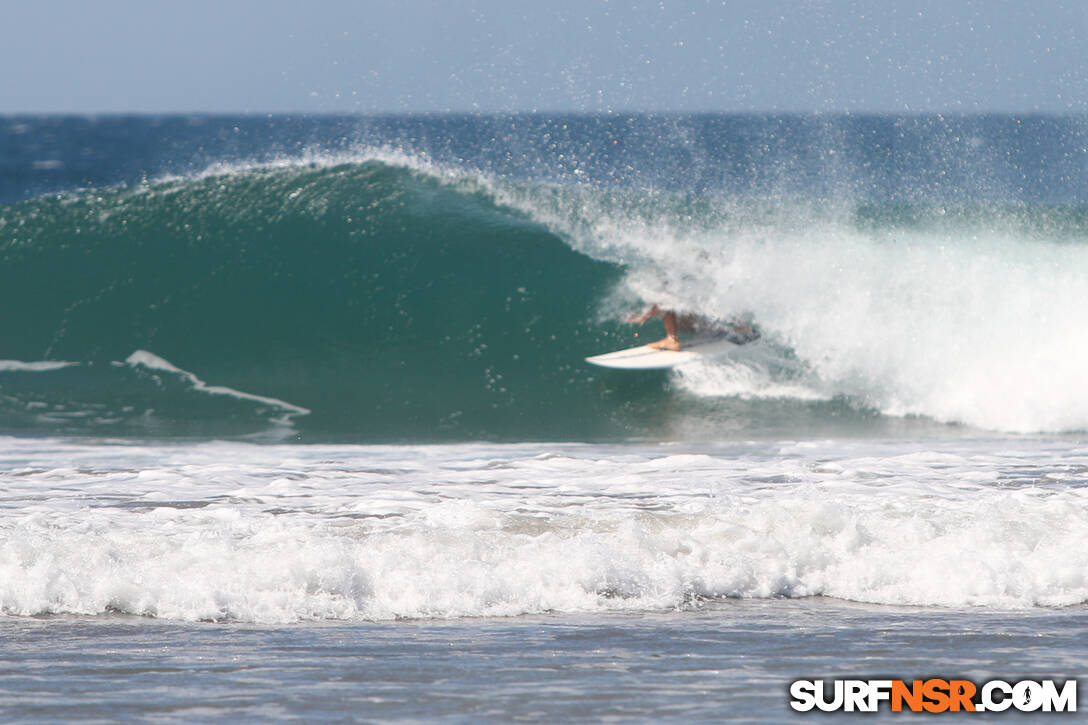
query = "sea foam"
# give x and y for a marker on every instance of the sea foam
(274, 534)
(959, 314)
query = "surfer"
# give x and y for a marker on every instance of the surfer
(738, 333)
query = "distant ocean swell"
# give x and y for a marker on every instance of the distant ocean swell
(381, 297)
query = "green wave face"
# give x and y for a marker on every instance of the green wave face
(387, 303)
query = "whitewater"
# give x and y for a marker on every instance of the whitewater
(295, 419)
(242, 532)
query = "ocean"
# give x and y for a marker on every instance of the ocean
(295, 422)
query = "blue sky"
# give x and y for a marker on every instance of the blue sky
(116, 56)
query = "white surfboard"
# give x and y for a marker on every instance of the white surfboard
(645, 357)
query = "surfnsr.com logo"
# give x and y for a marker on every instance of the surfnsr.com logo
(933, 695)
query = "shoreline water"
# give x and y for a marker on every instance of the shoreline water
(729, 660)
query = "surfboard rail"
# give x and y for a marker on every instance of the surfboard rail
(644, 357)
